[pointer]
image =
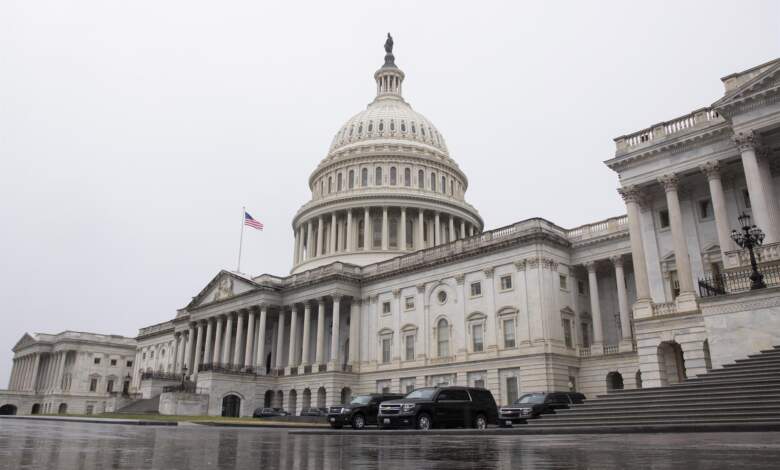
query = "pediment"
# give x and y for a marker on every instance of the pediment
(223, 286)
(26, 340)
(764, 79)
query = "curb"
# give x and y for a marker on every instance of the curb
(132, 422)
(251, 425)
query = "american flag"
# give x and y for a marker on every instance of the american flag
(248, 220)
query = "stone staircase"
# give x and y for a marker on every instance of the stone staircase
(146, 406)
(742, 395)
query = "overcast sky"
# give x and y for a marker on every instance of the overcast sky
(131, 133)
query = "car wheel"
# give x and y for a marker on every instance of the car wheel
(424, 422)
(480, 422)
(336, 426)
(358, 422)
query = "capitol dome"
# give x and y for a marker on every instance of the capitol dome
(386, 187)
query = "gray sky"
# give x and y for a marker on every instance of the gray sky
(131, 133)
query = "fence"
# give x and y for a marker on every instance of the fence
(736, 281)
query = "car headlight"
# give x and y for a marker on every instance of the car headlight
(407, 407)
(344, 411)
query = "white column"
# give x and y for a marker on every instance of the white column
(620, 280)
(188, 348)
(334, 338)
(291, 353)
(595, 305)
(451, 235)
(309, 241)
(471, 230)
(13, 375)
(217, 355)
(295, 246)
(305, 355)
(402, 238)
(228, 341)
(350, 235)
(60, 370)
(420, 230)
(208, 355)
(462, 229)
(385, 232)
(437, 230)
(686, 301)
(250, 339)
(260, 359)
(175, 355)
(332, 247)
(367, 245)
(712, 171)
(760, 196)
(643, 305)
(36, 367)
(238, 359)
(280, 340)
(198, 346)
(354, 332)
(320, 351)
(320, 237)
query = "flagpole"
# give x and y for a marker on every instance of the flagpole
(241, 238)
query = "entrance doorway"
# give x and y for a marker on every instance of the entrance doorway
(231, 406)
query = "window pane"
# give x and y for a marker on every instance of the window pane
(410, 348)
(443, 336)
(386, 350)
(477, 333)
(509, 333)
(511, 390)
(378, 176)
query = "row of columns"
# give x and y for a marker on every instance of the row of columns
(33, 372)
(595, 303)
(211, 340)
(312, 241)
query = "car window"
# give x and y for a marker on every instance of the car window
(482, 396)
(530, 398)
(460, 395)
(422, 393)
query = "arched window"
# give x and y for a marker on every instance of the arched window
(330, 184)
(422, 130)
(433, 181)
(322, 187)
(360, 129)
(409, 233)
(443, 338)
(381, 126)
(392, 176)
(443, 184)
(452, 185)
(403, 126)
(370, 126)
(361, 228)
(407, 177)
(364, 177)
(421, 179)
(338, 182)
(378, 176)
(392, 125)
(414, 130)
(376, 225)
(351, 179)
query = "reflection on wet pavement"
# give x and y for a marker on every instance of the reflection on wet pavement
(59, 445)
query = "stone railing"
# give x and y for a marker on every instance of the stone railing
(764, 254)
(700, 118)
(168, 325)
(611, 349)
(666, 308)
(321, 272)
(598, 229)
(584, 352)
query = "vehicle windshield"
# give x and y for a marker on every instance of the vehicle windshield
(361, 400)
(530, 398)
(423, 393)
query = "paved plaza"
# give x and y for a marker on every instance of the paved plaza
(61, 445)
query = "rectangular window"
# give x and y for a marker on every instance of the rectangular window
(385, 308)
(585, 335)
(386, 350)
(564, 281)
(705, 209)
(113, 362)
(509, 333)
(90, 409)
(97, 360)
(93, 385)
(479, 383)
(477, 336)
(409, 343)
(110, 386)
(663, 218)
(143, 356)
(476, 289)
(506, 282)
(567, 333)
(581, 287)
(409, 303)
(383, 386)
(511, 390)
(129, 363)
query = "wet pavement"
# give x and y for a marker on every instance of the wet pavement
(65, 445)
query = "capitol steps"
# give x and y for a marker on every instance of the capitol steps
(739, 395)
(147, 406)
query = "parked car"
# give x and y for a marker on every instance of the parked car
(282, 412)
(360, 411)
(311, 411)
(532, 405)
(265, 413)
(430, 407)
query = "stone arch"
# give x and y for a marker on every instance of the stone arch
(36, 409)
(671, 363)
(306, 398)
(62, 409)
(231, 405)
(268, 399)
(614, 381)
(8, 409)
(292, 402)
(322, 396)
(346, 395)
(279, 399)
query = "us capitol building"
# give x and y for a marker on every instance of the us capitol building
(396, 284)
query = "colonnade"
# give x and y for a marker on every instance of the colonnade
(377, 228)
(238, 340)
(617, 263)
(38, 372)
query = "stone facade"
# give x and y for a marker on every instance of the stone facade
(396, 286)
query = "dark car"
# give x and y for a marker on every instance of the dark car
(532, 405)
(430, 407)
(360, 411)
(312, 412)
(265, 413)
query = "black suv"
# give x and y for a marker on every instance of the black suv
(425, 408)
(531, 405)
(361, 410)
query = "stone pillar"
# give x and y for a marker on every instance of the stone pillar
(595, 309)
(13, 376)
(332, 247)
(367, 243)
(334, 338)
(250, 339)
(198, 346)
(420, 230)
(61, 370)
(712, 171)
(320, 351)
(625, 318)
(188, 348)
(462, 229)
(437, 230)
(305, 355)
(296, 244)
(280, 340)
(228, 341)
(309, 241)
(36, 366)
(320, 237)
(385, 232)
(238, 359)
(217, 355)
(208, 355)
(402, 236)
(760, 196)
(350, 235)
(354, 332)
(643, 307)
(260, 359)
(291, 353)
(451, 235)
(471, 230)
(686, 301)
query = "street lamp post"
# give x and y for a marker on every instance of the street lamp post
(749, 238)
